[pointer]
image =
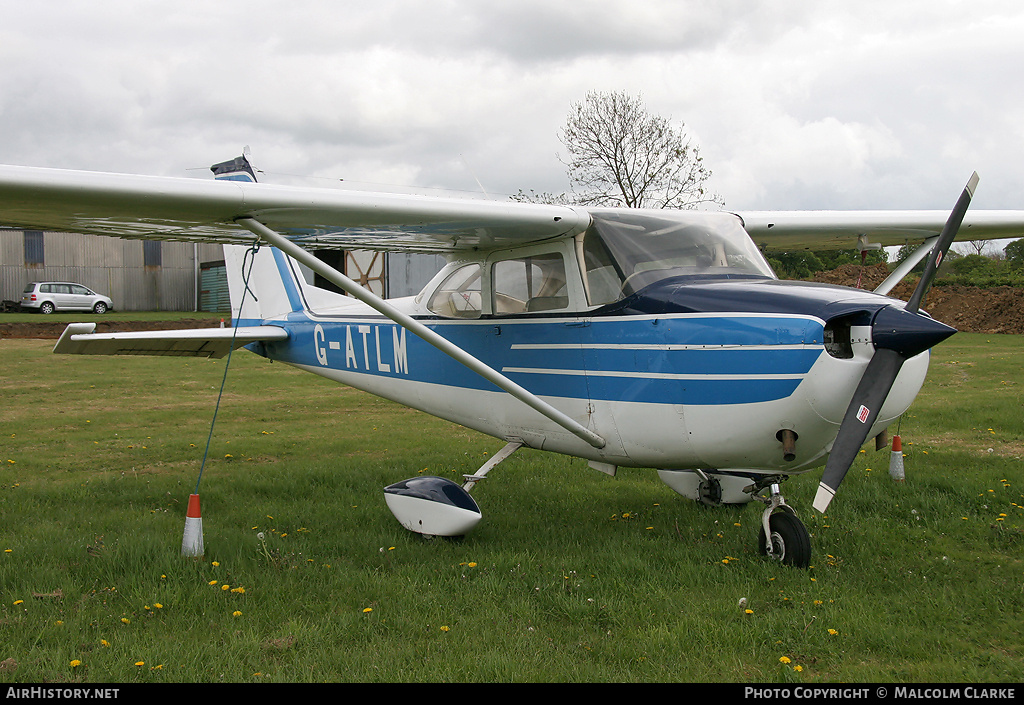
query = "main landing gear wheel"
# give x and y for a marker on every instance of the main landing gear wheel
(791, 543)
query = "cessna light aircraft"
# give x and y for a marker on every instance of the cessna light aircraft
(631, 338)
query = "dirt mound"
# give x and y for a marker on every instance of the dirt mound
(973, 309)
(53, 329)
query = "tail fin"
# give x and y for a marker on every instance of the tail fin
(237, 169)
(265, 284)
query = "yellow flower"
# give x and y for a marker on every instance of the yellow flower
(367, 609)
(104, 642)
(444, 629)
(240, 590)
(783, 659)
(215, 563)
(18, 602)
(125, 620)
(236, 613)
(472, 565)
(798, 668)
(748, 611)
(158, 605)
(140, 663)
(75, 663)
(212, 582)
(832, 632)
(225, 587)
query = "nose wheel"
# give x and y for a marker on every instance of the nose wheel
(783, 537)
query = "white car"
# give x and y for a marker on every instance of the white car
(47, 297)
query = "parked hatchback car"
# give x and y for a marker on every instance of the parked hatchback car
(47, 297)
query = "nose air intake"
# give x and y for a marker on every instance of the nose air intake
(898, 335)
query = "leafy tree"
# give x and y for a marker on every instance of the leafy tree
(621, 155)
(1015, 252)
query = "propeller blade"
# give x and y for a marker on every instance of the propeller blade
(949, 231)
(897, 335)
(860, 416)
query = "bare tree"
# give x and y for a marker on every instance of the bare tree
(621, 155)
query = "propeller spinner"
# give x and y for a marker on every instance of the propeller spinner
(898, 335)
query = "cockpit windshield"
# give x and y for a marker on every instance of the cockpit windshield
(625, 252)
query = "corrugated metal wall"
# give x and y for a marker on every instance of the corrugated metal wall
(111, 266)
(189, 276)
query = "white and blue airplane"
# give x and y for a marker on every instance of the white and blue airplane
(630, 338)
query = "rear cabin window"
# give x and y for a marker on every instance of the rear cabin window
(529, 284)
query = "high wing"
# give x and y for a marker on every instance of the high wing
(169, 208)
(828, 230)
(166, 208)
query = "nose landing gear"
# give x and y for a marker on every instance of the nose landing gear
(783, 537)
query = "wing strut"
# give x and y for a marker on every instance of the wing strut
(444, 345)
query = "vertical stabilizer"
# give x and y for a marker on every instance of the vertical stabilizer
(264, 283)
(237, 169)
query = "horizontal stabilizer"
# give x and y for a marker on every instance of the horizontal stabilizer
(79, 339)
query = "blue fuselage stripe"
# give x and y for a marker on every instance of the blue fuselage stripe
(288, 280)
(698, 360)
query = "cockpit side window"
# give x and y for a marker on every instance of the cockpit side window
(602, 278)
(458, 296)
(529, 284)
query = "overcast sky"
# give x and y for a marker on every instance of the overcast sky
(804, 104)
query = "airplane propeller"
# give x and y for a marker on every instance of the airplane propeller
(898, 335)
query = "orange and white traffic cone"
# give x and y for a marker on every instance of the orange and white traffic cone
(896, 460)
(192, 541)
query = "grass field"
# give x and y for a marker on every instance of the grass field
(572, 576)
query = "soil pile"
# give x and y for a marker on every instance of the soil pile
(973, 309)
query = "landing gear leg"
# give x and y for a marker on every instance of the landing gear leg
(783, 537)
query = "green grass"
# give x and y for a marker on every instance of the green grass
(572, 575)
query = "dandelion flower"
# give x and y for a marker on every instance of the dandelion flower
(444, 628)
(75, 663)
(212, 582)
(236, 613)
(140, 663)
(125, 620)
(367, 609)
(798, 668)
(472, 564)
(832, 632)
(18, 602)
(104, 642)
(783, 659)
(158, 605)
(748, 611)
(225, 587)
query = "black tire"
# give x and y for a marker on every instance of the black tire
(100, 307)
(47, 307)
(791, 543)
